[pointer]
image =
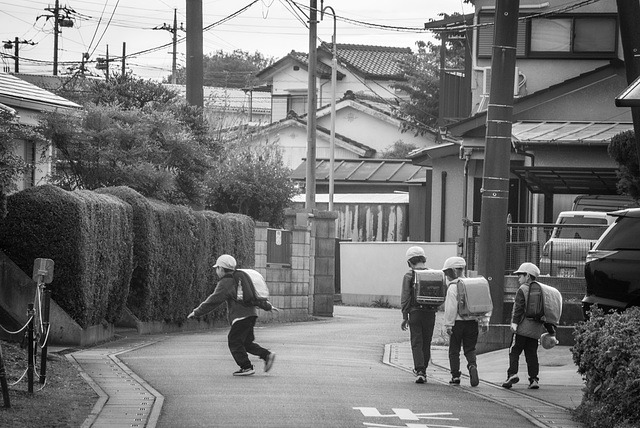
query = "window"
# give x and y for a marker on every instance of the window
(576, 36)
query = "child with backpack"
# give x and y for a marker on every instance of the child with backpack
(242, 318)
(420, 318)
(463, 326)
(528, 323)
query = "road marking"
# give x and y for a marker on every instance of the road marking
(407, 415)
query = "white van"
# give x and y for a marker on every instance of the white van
(576, 232)
(604, 203)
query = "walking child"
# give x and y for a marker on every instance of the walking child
(462, 330)
(241, 318)
(526, 328)
(420, 319)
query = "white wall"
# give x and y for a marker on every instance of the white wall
(374, 270)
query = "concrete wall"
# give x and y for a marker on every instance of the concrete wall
(371, 271)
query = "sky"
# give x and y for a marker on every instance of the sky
(272, 27)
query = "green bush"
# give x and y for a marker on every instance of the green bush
(89, 238)
(606, 352)
(114, 247)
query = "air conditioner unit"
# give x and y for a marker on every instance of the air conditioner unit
(486, 81)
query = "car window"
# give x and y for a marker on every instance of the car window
(581, 232)
(622, 236)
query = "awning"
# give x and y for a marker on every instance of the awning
(568, 180)
(630, 97)
(380, 171)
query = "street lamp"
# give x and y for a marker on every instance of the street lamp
(334, 66)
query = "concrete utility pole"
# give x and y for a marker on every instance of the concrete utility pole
(310, 199)
(58, 21)
(629, 13)
(495, 184)
(8, 44)
(195, 79)
(173, 30)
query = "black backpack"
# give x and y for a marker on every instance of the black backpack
(535, 302)
(429, 287)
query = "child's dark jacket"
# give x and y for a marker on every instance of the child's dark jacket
(226, 291)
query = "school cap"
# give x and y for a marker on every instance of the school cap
(415, 252)
(529, 268)
(454, 263)
(225, 261)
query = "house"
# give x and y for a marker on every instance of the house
(28, 103)
(229, 107)
(363, 70)
(569, 69)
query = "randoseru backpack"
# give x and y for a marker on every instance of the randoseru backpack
(474, 297)
(252, 289)
(429, 287)
(535, 302)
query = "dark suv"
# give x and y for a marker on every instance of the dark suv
(612, 268)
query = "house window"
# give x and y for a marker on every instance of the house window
(30, 160)
(576, 36)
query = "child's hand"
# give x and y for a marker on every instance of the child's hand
(514, 327)
(449, 331)
(404, 325)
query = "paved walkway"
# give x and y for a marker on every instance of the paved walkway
(126, 400)
(550, 406)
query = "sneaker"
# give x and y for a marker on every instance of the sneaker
(268, 362)
(455, 381)
(533, 384)
(421, 377)
(511, 380)
(245, 372)
(473, 374)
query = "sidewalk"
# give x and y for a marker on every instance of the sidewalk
(550, 406)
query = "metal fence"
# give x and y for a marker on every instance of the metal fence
(558, 250)
(279, 247)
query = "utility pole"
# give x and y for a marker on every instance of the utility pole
(495, 182)
(628, 13)
(173, 30)
(124, 55)
(194, 53)
(59, 21)
(8, 44)
(310, 197)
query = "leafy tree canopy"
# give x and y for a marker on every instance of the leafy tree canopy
(235, 69)
(399, 150)
(623, 150)
(251, 181)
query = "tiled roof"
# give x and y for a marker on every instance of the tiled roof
(567, 133)
(363, 170)
(17, 92)
(371, 61)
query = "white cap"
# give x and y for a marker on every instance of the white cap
(529, 268)
(225, 261)
(414, 252)
(454, 263)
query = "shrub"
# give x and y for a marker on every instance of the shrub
(606, 353)
(89, 238)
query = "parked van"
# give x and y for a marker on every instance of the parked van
(604, 203)
(576, 232)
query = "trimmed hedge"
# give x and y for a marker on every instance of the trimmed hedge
(606, 351)
(88, 236)
(114, 246)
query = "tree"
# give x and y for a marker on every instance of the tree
(422, 71)
(229, 70)
(251, 181)
(622, 149)
(12, 165)
(399, 150)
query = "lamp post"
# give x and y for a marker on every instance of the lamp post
(334, 67)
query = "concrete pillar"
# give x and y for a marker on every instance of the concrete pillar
(323, 233)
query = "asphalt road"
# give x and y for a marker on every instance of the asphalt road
(327, 373)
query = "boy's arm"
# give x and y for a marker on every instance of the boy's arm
(220, 295)
(517, 314)
(451, 304)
